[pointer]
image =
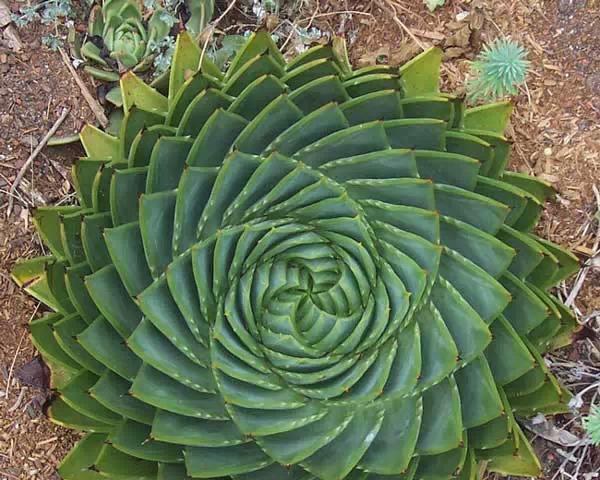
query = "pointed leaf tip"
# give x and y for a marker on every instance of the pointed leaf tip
(137, 92)
(421, 75)
(493, 117)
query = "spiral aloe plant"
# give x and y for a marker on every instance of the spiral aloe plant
(298, 271)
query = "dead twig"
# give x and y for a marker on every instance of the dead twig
(295, 30)
(584, 271)
(331, 14)
(12, 366)
(577, 287)
(32, 157)
(225, 12)
(8, 475)
(210, 30)
(392, 9)
(18, 402)
(397, 4)
(568, 457)
(91, 101)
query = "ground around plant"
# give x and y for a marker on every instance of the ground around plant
(556, 134)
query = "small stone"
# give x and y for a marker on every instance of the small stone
(3, 58)
(461, 16)
(5, 119)
(548, 151)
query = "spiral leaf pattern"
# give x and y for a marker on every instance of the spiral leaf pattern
(298, 271)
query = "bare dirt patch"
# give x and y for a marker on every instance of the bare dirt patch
(34, 87)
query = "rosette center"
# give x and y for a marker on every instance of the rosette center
(308, 297)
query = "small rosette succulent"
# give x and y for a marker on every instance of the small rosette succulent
(118, 32)
(298, 271)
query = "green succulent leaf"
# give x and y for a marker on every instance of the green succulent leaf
(592, 424)
(297, 270)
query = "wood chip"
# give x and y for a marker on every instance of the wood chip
(5, 17)
(583, 250)
(429, 34)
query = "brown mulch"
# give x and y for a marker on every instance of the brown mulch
(34, 87)
(555, 127)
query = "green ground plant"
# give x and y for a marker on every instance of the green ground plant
(298, 270)
(47, 12)
(591, 424)
(498, 71)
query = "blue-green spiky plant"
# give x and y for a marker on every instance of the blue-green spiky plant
(498, 70)
(591, 423)
(299, 271)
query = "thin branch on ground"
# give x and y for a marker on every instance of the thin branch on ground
(17, 195)
(97, 109)
(210, 30)
(569, 457)
(12, 366)
(224, 14)
(18, 401)
(405, 9)
(532, 107)
(331, 14)
(33, 156)
(580, 279)
(294, 28)
(392, 9)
